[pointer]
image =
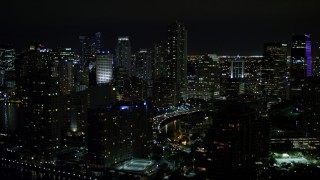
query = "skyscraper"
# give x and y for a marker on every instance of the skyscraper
(104, 67)
(123, 54)
(206, 79)
(237, 68)
(64, 68)
(87, 50)
(143, 63)
(301, 59)
(90, 46)
(215, 73)
(301, 62)
(241, 70)
(160, 57)
(98, 42)
(110, 131)
(144, 68)
(177, 58)
(274, 70)
(7, 57)
(41, 101)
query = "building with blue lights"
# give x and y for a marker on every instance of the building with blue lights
(300, 63)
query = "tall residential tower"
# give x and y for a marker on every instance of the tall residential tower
(177, 58)
(123, 55)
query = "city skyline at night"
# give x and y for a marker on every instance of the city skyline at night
(147, 90)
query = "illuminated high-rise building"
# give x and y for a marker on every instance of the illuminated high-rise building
(236, 84)
(123, 54)
(215, 72)
(7, 57)
(97, 42)
(104, 67)
(177, 58)
(274, 70)
(241, 70)
(63, 67)
(300, 63)
(301, 58)
(159, 64)
(237, 68)
(143, 63)
(134, 65)
(144, 68)
(205, 82)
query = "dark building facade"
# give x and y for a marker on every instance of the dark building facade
(311, 104)
(177, 58)
(123, 55)
(160, 59)
(274, 77)
(163, 92)
(41, 99)
(300, 63)
(86, 71)
(237, 140)
(118, 132)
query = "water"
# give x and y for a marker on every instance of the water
(187, 123)
(171, 126)
(24, 173)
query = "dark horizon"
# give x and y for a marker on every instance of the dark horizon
(221, 27)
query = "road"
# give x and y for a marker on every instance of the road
(180, 111)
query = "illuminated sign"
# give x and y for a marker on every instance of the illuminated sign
(124, 107)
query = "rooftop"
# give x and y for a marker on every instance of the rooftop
(137, 165)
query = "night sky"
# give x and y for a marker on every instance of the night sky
(214, 26)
